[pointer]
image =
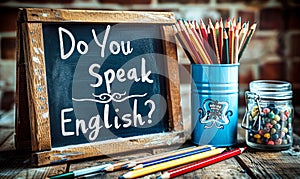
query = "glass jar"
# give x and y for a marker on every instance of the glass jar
(269, 114)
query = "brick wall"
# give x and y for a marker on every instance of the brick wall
(273, 53)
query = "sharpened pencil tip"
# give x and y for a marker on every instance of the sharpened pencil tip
(243, 149)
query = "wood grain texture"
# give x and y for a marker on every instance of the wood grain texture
(68, 15)
(173, 82)
(22, 123)
(272, 165)
(37, 87)
(108, 147)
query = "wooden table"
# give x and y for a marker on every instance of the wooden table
(250, 164)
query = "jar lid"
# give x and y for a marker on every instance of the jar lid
(272, 89)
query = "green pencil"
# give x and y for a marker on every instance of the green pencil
(80, 172)
(249, 36)
(225, 55)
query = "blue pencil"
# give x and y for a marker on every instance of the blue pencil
(174, 157)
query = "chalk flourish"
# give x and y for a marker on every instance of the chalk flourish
(106, 97)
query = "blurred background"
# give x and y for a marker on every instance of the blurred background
(273, 53)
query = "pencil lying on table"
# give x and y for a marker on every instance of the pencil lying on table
(174, 157)
(162, 155)
(171, 164)
(202, 163)
(81, 172)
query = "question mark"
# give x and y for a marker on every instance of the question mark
(151, 110)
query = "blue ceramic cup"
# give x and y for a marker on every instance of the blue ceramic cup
(214, 105)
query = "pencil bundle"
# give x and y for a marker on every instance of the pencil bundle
(214, 43)
(173, 163)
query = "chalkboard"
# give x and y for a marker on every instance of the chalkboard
(97, 82)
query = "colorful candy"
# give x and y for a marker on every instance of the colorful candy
(275, 125)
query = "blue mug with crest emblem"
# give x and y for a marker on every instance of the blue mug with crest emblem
(214, 107)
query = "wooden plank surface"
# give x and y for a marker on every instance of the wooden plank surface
(250, 164)
(108, 147)
(272, 164)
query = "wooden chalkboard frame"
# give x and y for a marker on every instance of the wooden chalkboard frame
(32, 111)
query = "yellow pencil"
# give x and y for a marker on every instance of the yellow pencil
(162, 155)
(171, 164)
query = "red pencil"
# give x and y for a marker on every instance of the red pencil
(202, 163)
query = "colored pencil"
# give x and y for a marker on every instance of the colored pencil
(184, 45)
(239, 24)
(196, 41)
(210, 47)
(200, 47)
(214, 38)
(236, 46)
(242, 35)
(233, 23)
(115, 166)
(171, 164)
(166, 159)
(231, 43)
(162, 155)
(205, 45)
(200, 164)
(197, 27)
(203, 30)
(227, 25)
(225, 56)
(249, 36)
(81, 172)
(220, 38)
(188, 39)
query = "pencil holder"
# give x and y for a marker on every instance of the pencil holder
(214, 104)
